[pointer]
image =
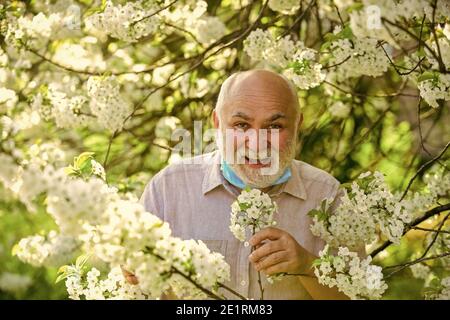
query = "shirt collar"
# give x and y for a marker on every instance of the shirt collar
(214, 178)
(294, 186)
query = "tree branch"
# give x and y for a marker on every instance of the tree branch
(428, 214)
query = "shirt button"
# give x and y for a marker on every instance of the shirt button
(243, 283)
(246, 244)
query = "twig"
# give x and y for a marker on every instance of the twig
(221, 285)
(371, 95)
(423, 167)
(339, 15)
(413, 36)
(435, 236)
(188, 278)
(427, 215)
(430, 230)
(261, 289)
(396, 67)
(405, 265)
(433, 31)
(337, 64)
(111, 139)
(154, 13)
(183, 30)
(299, 18)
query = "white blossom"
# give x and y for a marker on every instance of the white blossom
(284, 6)
(365, 210)
(8, 99)
(252, 211)
(208, 29)
(51, 250)
(364, 57)
(442, 292)
(420, 271)
(107, 104)
(340, 109)
(355, 277)
(435, 89)
(127, 22)
(113, 287)
(304, 72)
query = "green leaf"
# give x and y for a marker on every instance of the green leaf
(346, 33)
(316, 263)
(15, 250)
(354, 7)
(428, 75)
(81, 261)
(83, 158)
(314, 212)
(62, 273)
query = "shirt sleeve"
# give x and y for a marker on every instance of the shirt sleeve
(153, 199)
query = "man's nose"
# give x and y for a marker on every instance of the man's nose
(257, 140)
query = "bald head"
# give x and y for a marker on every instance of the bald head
(242, 87)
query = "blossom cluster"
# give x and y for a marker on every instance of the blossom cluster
(102, 105)
(90, 287)
(420, 271)
(193, 18)
(437, 184)
(252, 211)
(115, 229)
(365, 210)
(355, 277)
(128, 22)
(284, 6)
(106, 103)
(51, 250)
(37, 30)
(434, 89)
(355, 57)
(297, 62)
(442, 292)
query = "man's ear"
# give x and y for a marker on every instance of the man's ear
(215, 119)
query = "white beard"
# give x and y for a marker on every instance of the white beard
(259, 178)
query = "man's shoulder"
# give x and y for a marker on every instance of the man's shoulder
(186, 167)
(311, 173)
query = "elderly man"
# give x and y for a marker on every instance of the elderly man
(194, 195)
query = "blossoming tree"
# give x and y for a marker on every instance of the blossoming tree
(107, 82)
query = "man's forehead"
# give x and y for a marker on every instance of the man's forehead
(270, 116)
(260, 107)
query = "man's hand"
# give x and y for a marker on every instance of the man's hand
(129, 277)
(281, 253)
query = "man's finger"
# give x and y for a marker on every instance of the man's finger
(265, 234)
(271, 260)
(265, 250)
(276, 268)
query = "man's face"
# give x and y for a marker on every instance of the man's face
(258, 127)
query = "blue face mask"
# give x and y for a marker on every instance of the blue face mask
(232, 177)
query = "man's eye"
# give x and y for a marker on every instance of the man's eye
(275, 126)
(241, 125)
